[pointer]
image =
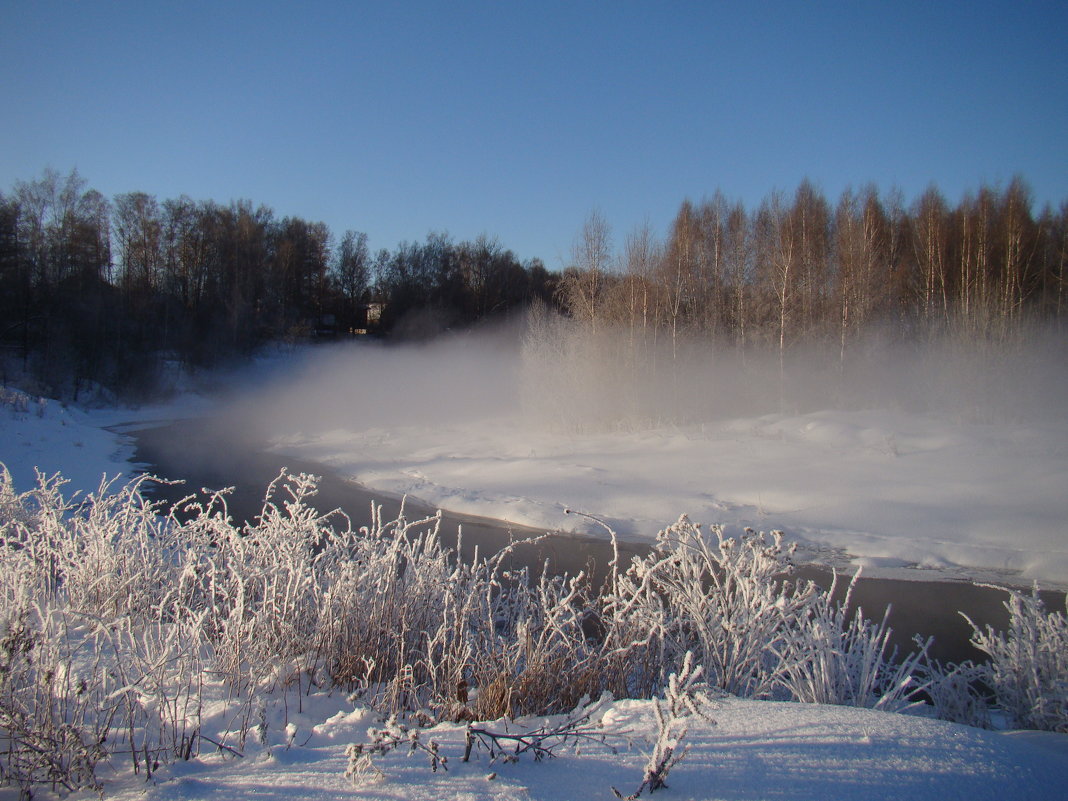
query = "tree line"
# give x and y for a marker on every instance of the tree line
(798, 269)
(102, 292)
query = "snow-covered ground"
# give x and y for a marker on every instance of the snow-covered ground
(751, 750)
(39, 434)
(890, 491)
(886, 488)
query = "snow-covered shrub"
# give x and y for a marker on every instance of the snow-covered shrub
(757, 631)
(955, 693)
(536, 658)
(683, 698)
(109, 553)
(583, 724)
(16, 401)
(1028, 667)
(261, 585)
(384, 601)
(56, 705)
(30, 529)
(837, 657)
(728, 601)
(414, 627)
(84, 588)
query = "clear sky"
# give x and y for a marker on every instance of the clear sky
(517, 119)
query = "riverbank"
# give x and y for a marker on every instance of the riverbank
(756, 750)
(84, 444)
(902, 496)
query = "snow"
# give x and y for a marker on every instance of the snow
(986, 497)
(40, 434)
(751, 750)
(876, 487)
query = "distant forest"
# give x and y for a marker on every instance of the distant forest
(103, 293)
(97, 292)
(800, 270)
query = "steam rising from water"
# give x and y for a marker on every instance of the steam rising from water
(368, 384)
(551, 372)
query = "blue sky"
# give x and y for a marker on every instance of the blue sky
(517, 119)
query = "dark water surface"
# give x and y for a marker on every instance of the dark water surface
(206, 453)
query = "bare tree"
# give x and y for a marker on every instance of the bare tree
(711, 264)
(583, 284)
(861, 246)
(931, 249)
(352, 269)
(777, 257)
(738, 271)
(1019, 242)
(642, 254)
(138, 226)
(679, 270)
(810, 229)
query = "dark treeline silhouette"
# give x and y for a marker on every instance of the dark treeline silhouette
(801, 270)
(98, 292)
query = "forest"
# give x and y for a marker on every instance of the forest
(102, 293)
(798, 269)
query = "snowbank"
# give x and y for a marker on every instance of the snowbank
(39, 434)
(754, 750)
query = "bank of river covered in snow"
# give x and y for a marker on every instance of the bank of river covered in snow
(206, 453)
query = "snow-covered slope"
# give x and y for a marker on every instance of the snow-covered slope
(39, 434)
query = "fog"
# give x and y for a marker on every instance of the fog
(944, 453)
(551, 373)
(612, 378)
(371, 384)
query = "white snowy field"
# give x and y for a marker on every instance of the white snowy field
(874, 488)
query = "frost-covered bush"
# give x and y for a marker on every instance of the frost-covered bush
(16, 401)
(413, 627)
(757, 631)
(109, 553)
(258, 588)
(955, 693)
(91, 665)
(120, 624)
(55, 711)
(147, 608)
(1027, 670)
(834, 656)
(728, 601)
